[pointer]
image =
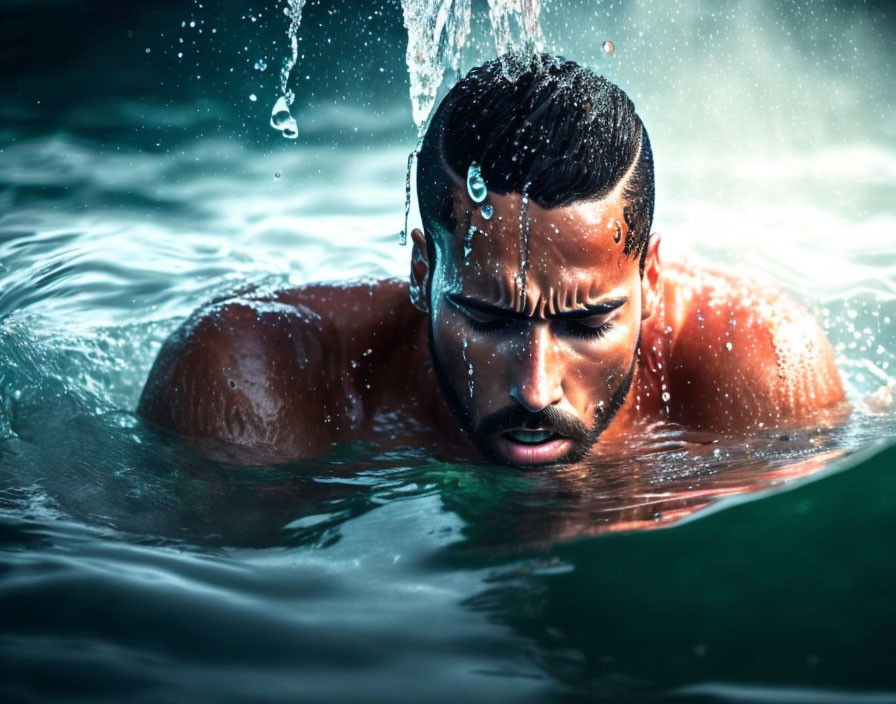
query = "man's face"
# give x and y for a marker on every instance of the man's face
(535, 323)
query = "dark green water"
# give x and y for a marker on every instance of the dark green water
(136, 185)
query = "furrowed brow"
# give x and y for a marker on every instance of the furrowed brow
(602, 308)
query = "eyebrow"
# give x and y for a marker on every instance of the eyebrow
(601, 308)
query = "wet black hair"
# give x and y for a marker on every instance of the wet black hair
(544, 125)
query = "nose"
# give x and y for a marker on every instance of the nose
(536, 374)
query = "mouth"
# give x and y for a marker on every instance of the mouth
(540, 446)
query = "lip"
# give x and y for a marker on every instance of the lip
(542, 453)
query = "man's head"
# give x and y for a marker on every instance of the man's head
(535, 184)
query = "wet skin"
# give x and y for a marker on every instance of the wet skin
(536, 341)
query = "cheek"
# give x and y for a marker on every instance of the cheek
(454, 343)
(595, 369)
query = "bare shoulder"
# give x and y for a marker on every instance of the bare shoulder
(270, 375)
(744, 355)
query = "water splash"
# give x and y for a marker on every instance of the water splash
(487, 212)
(281, 118)
(515, 25)
(437, 32)
(476, 184)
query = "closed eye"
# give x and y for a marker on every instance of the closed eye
(483, 322)
(582, 324)
(587, 330)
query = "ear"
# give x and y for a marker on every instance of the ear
(420, 273)
(651, 279)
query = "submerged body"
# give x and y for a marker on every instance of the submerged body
(268, 379)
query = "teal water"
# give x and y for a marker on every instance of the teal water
(691, 568)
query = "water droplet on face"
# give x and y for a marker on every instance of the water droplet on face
(487, 212)
(617, 231)
(609, 47)
(468, 244)
(476, 184)
(282, 119)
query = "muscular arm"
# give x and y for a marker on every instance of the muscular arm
(248, 381)
(744, 358)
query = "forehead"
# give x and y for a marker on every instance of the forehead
(571, 254)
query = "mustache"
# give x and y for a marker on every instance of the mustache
(515, 416)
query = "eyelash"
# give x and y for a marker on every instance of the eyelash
(588, 332)
(489, 325)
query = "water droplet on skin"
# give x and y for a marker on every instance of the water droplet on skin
(468, 245)
(609, 47)
(487, 212)
(524, 231)
(465, 344)
(617, 231)
(403, 235)
(476, 184)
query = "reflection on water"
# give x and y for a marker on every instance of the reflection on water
(386, 571)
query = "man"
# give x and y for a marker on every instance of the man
(539, 326)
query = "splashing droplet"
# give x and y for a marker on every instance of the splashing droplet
(261, 65)
(277, 175)
(666, 396)
(487, 212)
(282, 119)
(476, 184)
(253, 97)
(609, 47)
(729, 346)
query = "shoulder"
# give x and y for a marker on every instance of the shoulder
(744, 355)
(232, 372)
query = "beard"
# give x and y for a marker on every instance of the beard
(515, 416)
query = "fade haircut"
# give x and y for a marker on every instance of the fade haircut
(544, 125)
